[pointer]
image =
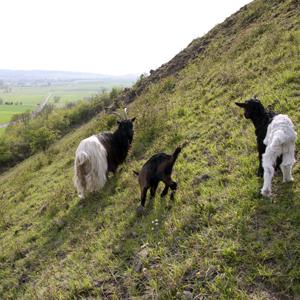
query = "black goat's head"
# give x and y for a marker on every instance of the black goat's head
(252, 108)
(125, 126)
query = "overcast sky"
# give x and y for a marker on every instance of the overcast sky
(103, 36)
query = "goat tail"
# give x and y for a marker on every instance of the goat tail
(136, 173)
(79, 178)
(81, 158)
(176, 153)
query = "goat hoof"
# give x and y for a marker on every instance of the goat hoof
(140, 210)
(259, 173)
(266, 193)
(286, 180)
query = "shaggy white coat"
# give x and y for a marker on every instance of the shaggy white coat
(90, 166)
(280, 140)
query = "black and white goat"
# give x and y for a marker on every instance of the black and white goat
(158, 168)
(276, 136)
(99, 154)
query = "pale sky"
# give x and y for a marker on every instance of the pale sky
(103, 36)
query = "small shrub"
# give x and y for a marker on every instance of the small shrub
(168, 85)
(115, 92)
(5, 152)
(41, 139)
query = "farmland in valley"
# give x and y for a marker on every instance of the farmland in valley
(16, 98)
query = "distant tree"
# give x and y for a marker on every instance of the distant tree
(22, 118)
(114, 92)
(141, 79)
(1, 101)
(56, 99)
(70, 105)
(25, 117)
(47, 109)
(103, 90)
(5, 152)
(41, 139)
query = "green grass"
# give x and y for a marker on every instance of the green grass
(219, 239)
(6, 111)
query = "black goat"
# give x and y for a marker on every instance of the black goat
(99, 154)
(261, 118)
(158, 168)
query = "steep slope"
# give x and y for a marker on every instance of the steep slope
(219, 239)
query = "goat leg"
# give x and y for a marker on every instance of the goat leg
(173, 187)
(143, 196)
(140, 209)
(260, 170)
(172, 195)
(278, 163)
(153, 189)
(165, 191)
(261, 151)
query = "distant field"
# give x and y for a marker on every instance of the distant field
(32, 96)
(6, 111)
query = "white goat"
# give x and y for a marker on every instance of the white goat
(280, 140)
(90, 166)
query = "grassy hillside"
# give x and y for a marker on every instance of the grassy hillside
(219, 239)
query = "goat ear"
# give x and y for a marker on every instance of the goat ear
(133, 119)
(243, 105)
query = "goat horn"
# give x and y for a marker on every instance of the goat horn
(125, 113)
